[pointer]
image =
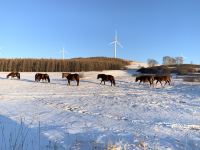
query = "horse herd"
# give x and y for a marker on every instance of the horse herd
(152, 78)
(103, 77)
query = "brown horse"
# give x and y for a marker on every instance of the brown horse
(72, 77)
(145, 78)
(39, 76)
(105, 77)
(65, 74)
(14, 74)
(160, 78)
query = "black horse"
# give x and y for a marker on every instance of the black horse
(41, 76)
(105, 77)
(14, 74)
(73, 77)
(145, 78)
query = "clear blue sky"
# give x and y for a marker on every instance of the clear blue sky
(146, 28)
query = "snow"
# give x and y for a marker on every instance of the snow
(137, 65)
(93, 116)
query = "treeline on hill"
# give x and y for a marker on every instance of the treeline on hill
(59, 65)
(181, 69)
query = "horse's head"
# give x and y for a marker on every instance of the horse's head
(65, 74)
(98, 76)
(36, 76)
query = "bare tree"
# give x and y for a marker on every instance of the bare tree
(179, 60)
(167, 60)
(152, 62)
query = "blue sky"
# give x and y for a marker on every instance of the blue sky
(146, 28)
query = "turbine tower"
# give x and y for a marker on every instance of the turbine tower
(116, 43)
(63, 53)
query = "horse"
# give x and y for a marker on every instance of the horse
(145, 78)
(72, 77)
(105, 77)
(160, 78)
(65, 74)
(39, 76)
(14, 74)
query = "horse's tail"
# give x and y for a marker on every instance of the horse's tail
(48, 79)
(18, 76)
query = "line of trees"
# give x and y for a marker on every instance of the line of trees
(58, 65)
(167, 60)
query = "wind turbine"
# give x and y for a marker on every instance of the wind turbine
(63, 53)
(116, 43)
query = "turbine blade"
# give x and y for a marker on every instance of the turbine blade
(119, 44)
(112, 42)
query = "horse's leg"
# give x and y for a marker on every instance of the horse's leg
(151, 83)
(160, 83)
(77, 82)
(156, 82)
(167, 82)
(104, 82)
(111, 82)
(101, 81)
(68, 82)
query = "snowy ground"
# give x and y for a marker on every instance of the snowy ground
(93, 116)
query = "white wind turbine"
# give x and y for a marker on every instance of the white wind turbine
(63, 53)
(116, 43)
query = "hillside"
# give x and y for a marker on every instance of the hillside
(182, 69)
(66, 65)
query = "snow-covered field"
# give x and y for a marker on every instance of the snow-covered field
(92, 116)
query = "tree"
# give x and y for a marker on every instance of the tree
(179, 60)
(152, 62)
(167, 60)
